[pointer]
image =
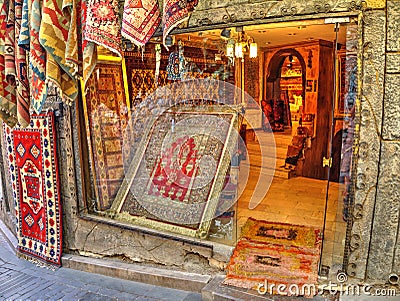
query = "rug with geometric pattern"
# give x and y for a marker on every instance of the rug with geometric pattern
(35, 182)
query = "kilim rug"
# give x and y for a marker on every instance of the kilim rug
(21, 69)
(37, 54)
(103, 24)
(177, 169)
(35, 182)
(140, 20)
(58, 37)
(176, 12)
(274, 253)
(8, 103)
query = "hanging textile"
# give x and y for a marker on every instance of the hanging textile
(35, 181)
(86, 49)
(37, 54)
(71, 50)
(176, 12)
(103, 24)
(8, 102)
(140, 20)
(58, 37)
(21, 69)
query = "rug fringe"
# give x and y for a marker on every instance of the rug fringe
(37, 262)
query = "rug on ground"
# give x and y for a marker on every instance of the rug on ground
(35, 182)
(274, 253)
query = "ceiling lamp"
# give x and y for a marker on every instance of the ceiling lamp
(242, 46)
(239, 50)
(253, 50)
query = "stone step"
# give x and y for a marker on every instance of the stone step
(135, 272)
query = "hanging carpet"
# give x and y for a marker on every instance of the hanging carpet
(58, 36)
(103, 24)
(35, 182)
(8, 102)
(176, 12)
(86, 49)
(21, 70)
(140, 20)
(275, 253)
(31, 16)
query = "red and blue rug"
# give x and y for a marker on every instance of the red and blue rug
(35, 182)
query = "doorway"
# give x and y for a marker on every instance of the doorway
(303, 111)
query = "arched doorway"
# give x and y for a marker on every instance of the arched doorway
(274, 73)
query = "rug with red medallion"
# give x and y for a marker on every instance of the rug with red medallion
(35, 182)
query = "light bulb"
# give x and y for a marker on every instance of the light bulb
(253, 50)
(239, 50)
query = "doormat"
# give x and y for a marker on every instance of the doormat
(282, 234)
(35, 182)
(269, 254)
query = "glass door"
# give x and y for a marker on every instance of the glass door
(338, 192)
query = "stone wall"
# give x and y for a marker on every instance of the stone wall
(384, 252)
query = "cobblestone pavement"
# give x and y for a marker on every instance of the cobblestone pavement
(23, 280)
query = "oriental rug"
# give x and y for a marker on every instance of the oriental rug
(140, 20)
(103, 24)
(35, 182)
(274, 253)
(107, 114)
(178, 172)
(176, 12)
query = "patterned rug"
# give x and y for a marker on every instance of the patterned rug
(275, 253)
(140, 20)
(8, 102)
(176, 12)
(103, 25)
(58, 37)
(35, 181)
(21, 69)
(173, 177)
(86, 49)
(107, 111)
(37, 54)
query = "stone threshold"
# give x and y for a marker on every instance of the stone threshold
(134, 272)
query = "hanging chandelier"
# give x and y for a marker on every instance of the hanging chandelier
(240, 47)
